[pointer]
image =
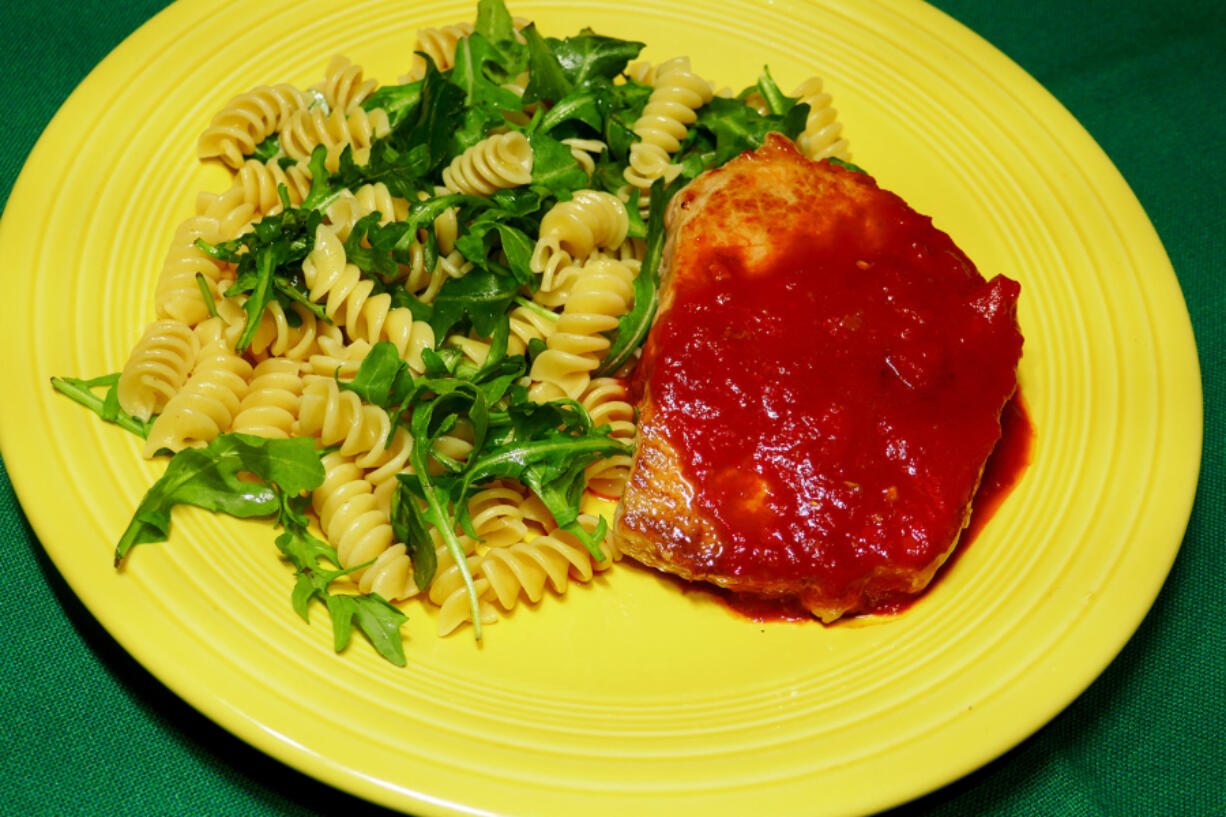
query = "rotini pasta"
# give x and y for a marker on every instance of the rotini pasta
(348, 300)
(270, 407)
(348, 515)
(823, 133)
(572, 230)
(207, 403)
(439, 44)
(364, 433)
(304, 130)
(599, 297)
(526, 568)
(246, 120)
(157, 367)
(496, 162)
(677, 93)
(344, 87)
(178, 294)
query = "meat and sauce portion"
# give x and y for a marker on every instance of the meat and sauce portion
(820, 391)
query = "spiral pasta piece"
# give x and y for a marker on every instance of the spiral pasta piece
(439, 43)
(607, 401)
(348, 516)
(270, 407)
(178, 295)
(583, 151)
(677, 94)
(572, 230)
(344, 87)
(274, 335)
(526, 568)
(526, 325)
(351, 207)
(157, 367)
(823, 133)
(600, 296)
(449, 593)
(338, 359)
(496, 162)
(496, 515)
(304, 130)
(391, 576)
(246, 120)
(363, 432)
(207, 403)
(254, 193)
(348, 300)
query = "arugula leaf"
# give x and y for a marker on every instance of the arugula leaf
(105, 407)
(555, 170)
(410, 527)
(471, 55)
(495, 24)
(547, 447)
(397, 101)
(377, 618)
(546, 78)
(589, 105)
(632, 328)
(427, 137)
(446, 398)
(481, 297)
(382, 379)
(590, 56)
(777, 102)
(210, 478)
(854, 168)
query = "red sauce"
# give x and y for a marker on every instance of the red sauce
(1001, 473)
(832, 403)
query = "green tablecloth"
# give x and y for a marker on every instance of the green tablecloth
(87, 730)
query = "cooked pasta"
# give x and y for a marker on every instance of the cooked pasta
(348, 515)
(256, 190)
(157, 367)
(496, 162)
(207, 403)
(270, 407)
(248, 119)
(350, 207)
(305, 130)
(526, 568)
(601, 295)
(573, 229)
(608, 402)
(677, 94)
(349, 300)
(344, 87)
(823, 133)
(178, 294)
(364, 433)
(439, 44)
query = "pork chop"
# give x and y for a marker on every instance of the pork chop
(819, 392)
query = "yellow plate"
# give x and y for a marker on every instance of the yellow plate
(629, 696)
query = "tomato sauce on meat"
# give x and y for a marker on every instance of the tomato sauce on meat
(830, 395)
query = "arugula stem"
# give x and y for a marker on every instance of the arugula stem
(457, 553)
(535, 307)
(79, 390)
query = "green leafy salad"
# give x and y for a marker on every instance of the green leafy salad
(472, 288)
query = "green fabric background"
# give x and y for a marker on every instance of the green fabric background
(88, 731)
